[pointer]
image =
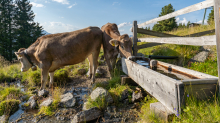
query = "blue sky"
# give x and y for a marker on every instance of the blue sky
(58, 16)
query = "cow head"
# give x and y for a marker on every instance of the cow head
(125, 45)
(25, 64)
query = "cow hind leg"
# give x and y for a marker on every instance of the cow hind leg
(95, 57)
(51, 74)
(90, 66)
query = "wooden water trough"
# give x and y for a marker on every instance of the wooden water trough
(170, 84)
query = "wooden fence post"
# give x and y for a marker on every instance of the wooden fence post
(217, 32)
(135, 38)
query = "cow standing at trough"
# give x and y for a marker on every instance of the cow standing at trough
(50, 52)
(114, 43)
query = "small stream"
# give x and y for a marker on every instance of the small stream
(21, 115)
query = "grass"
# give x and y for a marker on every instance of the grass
(100, 103)
(8, 107)
(197, 111)
(7, 93)
(50, 110)
(145, 114)
(9, 99)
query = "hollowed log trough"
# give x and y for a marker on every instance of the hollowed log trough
(169, 91)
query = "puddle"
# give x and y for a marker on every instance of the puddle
(17, 114)
(143, 63)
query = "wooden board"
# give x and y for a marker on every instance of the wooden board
(195, 7)
(135, 38)
(160, 86)
(217, 31)
(197, 41)
(187, 71)
(154, 33)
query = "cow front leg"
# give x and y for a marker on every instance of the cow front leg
(44, 76)
(51, 74)
(90, 66)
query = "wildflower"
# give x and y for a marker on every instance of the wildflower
(187, 95)
(174, 109)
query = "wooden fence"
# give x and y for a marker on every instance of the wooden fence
(197, 39)
(181, 40)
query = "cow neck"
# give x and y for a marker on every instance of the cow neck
(124, 53)
(115, 35)
(28, 57)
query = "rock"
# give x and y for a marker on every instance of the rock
(87, 115)
(3, 119)
(81, 71)
(43, 93)
(47, 102)
(34, 92)
(200, 57)
(31, 103)
(99, 92)
(124, 95)
(84, 106)
(67, 100)
(23, 98)
(136, 96)
(98, 72)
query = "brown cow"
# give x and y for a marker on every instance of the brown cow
(113, 43)
(51, 52)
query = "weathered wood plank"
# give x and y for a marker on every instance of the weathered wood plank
(195, 7)
(135, 38)
(185, 70)
(197, 41)
(163, 88)
(217, 31)
(200, 33)
(147, 45)
(154, 33)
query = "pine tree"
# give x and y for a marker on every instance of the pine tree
(211, 16)
(7, 28)
(27, 30)
(180, 25)
(166, 25)
(184, 25)
(148, 28)
(188, 24)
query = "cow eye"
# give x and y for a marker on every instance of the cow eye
(122, 47)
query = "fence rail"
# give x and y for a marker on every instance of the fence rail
(191, 39)
(195, 7)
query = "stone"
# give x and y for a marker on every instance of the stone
(31, 102)
(47, 102)
(23, 98)
(200, 57)
(136, 96)
(124, 95)
(84, 106)
(43, 93)
(87, 115)
(100, 92)
(81, 71)
(3, 119)
(161, 111)
(127, 80)
(98, 72)
(67, 100)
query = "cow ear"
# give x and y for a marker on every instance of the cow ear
(114, 42)
(18, 54)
